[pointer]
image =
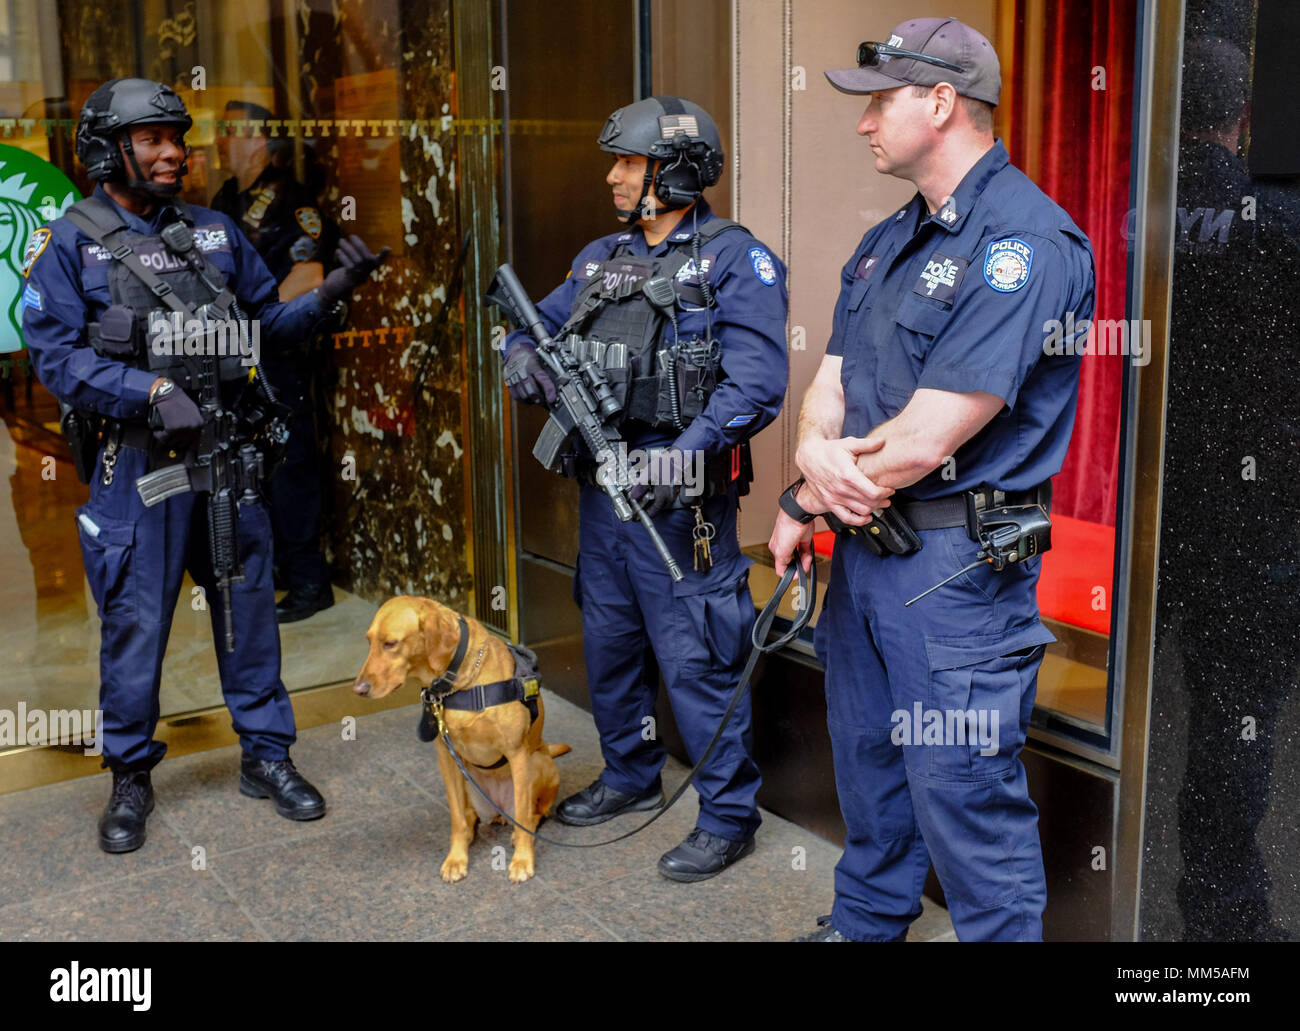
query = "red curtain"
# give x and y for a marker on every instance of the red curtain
(1070, 128)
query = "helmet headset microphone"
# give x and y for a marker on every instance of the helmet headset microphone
(681, 145)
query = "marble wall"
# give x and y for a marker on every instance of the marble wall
(394, 373)
(1221, 836)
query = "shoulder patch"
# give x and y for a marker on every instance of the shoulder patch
(35, 247)
(32, 298)
(1007, 264)
(309, 219)
(764, 267)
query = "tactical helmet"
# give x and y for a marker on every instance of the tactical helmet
(676, 133)
(115, 106)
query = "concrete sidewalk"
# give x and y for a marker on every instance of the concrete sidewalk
(218, 866)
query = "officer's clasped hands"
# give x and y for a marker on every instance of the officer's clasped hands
(834, 481)
(356, 263)
(526, 376)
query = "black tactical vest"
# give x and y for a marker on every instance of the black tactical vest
(141, 324)
(656, 377)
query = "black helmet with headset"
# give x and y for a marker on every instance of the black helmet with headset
(116, 106)
(680, 142)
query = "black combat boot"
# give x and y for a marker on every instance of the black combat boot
(121, 828)
(278, 780)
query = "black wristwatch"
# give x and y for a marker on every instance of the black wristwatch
(792, 508)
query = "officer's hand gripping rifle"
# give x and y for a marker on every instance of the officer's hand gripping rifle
(576, 408)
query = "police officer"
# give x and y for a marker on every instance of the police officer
(695, 378)
(100, 282)
(936, 382)
(283, 221)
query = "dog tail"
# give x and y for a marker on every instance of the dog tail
(557, 750)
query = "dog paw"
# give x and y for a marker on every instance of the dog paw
(454, 870)
(521, 869)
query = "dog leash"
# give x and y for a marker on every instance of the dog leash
(762, 627)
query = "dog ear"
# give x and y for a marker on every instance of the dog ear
(441, 633)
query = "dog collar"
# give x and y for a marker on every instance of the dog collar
(449, 676)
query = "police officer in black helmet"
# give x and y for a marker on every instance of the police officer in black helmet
(696, 374)
(102, 283)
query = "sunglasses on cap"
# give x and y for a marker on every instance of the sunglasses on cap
(869, 55)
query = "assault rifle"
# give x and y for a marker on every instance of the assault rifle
(228, 472)
(583, 404)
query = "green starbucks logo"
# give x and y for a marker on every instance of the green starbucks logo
(32, 191)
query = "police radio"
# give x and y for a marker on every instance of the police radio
(1005, 535)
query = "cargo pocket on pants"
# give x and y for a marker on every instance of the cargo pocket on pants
(106, 546)
(976, 687)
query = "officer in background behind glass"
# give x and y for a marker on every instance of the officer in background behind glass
(282, 220)
(937, 382)
(103, 283)
(695, 378)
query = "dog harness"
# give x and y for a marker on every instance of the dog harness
(525, 686)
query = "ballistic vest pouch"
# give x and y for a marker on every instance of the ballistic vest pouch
(116, 334)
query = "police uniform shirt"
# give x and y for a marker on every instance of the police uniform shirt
(748, 283)
(67, 288)
(280, 218)
(971, 298)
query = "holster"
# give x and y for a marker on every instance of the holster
(888, 533)
(83, 429)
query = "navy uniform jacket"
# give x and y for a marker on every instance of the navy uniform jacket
(67, 287)
(748, 282)
(964, 300)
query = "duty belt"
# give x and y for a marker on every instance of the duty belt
(948, 511)
(953, 509)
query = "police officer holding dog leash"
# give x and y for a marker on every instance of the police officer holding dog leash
(683, 315)
(937, 410)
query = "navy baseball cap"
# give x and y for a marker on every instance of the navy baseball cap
(959, 55)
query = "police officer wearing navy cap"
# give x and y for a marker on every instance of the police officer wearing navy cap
(283, 221)
(937, 397)
(101, 282)
(695, 379)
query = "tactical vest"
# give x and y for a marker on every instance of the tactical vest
(657, 378)
(162, 302)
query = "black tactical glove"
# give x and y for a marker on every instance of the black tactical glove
(527, 378)
(173, 417)
(355, 265)
(665, 472)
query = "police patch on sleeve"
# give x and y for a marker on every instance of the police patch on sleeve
(1007, 264)
(35, 246)
(941, 277)
(309, 219)
(764, 267)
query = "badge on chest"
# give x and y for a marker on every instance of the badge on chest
(941, 277)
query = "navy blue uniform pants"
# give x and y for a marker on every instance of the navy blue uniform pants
(913, 790)
(637, 623)
(135, 559)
